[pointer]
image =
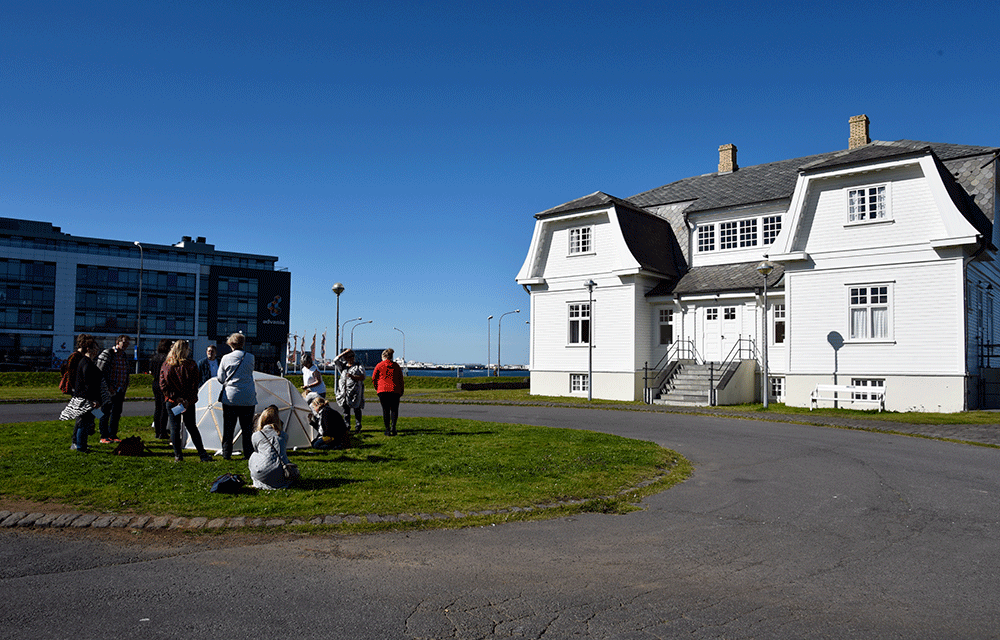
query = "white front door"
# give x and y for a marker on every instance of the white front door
(721, 332)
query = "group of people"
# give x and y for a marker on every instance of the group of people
(387, 379)
(99, 379)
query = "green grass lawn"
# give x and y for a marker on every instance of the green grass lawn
(434, 465)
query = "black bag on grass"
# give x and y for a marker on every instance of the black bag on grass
(228, 483)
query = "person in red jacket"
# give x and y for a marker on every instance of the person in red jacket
(387, 378)
(180, 380)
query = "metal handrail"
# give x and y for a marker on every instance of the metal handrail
(678, 350)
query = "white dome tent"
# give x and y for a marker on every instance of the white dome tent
(292, 409)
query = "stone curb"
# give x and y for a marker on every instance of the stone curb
(39, 520)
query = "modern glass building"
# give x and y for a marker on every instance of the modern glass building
(54, 285)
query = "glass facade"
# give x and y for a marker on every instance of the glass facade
(27, 294)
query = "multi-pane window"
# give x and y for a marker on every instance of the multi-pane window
(748, 232)
(779, 324)
(236, 306)
(777, 387)
(107, 300)
(579, 323)
(770, 228)
(27, 294)
(739, 234)
(706, 237)
(581, 240)
(878, 383)
(712, 313)
(579, 382)
(869, 312)
(666, 326)
(729, 313)
(728, 235)
(867, 203)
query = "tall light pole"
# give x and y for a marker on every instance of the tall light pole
(404, 348)
(338, 289)
(764, 269)
(343, 331)
(355, 327)
(500, 320)
(138, 309)
(489, 351)
(590, 284)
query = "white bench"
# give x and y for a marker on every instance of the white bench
(847, 393)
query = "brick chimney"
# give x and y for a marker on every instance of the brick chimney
(859, 132)
(727, 158)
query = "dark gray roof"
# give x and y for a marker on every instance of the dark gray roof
(742, 276)
(776, 180)
(649, 237)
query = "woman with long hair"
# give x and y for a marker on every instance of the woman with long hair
(269, 457)
(333, 431)
(179, 381)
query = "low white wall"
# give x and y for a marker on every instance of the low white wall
(606, 385)
(934, 394)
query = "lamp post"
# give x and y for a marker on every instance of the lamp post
(590, 284)
(404, 348)
(338, 289)
(499, 321)
(355, 327)
(764, 269)
(343, 331)
(489, 351)
(138, 309)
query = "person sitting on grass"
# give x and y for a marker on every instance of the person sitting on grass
(333, 431)
(269, 457)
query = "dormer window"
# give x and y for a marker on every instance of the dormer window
(739, 234)
(581, 240)
(868, 204)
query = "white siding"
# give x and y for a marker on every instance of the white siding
(925, 336)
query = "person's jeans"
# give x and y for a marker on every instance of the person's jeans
(230, 415)
(84, 425)
(112, 415)
(192, 428)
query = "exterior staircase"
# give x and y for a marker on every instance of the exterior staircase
(690, 385)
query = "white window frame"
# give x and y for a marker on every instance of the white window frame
(579, 383)
(741, 233)
(666, 318)
(706, 238)
(581, 240)
(866, 382)
(862, 303)
(779, 315)
(776, 388)
(578, 316)
(861, 200)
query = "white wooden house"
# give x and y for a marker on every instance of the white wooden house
(884, 277)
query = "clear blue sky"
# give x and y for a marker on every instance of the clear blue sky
(402, 148)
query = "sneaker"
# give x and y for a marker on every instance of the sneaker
(205, 457)
(107, 441)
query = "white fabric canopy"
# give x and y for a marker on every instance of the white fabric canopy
(292, 409)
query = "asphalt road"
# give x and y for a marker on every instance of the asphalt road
(784, 531)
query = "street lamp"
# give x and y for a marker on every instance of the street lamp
(343, 330)
(489, 351)
(765, 268)
(138, 309)
(355, 327)
(404, 348)
(500, 320)
(590, 284)
(338, 289)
